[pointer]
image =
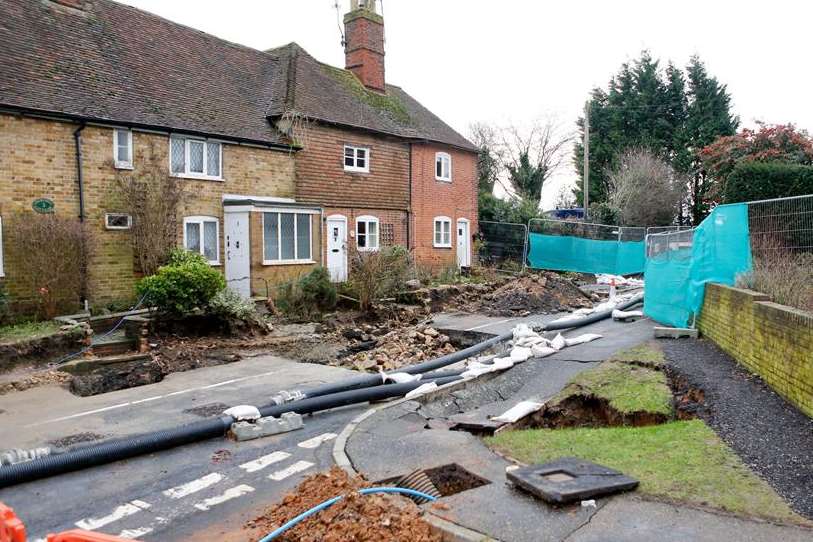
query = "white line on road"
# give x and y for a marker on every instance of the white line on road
(181, 491)
(299, 466)
(315, 442)
(489, 324)
(264, 461)
(129, 534)
(153, 398)
(128, 509)
(227, 495)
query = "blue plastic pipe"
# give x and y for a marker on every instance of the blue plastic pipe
(334, 500)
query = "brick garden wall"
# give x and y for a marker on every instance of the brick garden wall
(37, 161)
(772, 340)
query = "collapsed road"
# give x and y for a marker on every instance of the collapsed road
(170, 494)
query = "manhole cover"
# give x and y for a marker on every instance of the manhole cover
(570, 479)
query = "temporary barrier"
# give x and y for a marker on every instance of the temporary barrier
(502, 244)
(563, 245)
(12, 529)
(679, 264)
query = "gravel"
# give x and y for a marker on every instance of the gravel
(768, 433)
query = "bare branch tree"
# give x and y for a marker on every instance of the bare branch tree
(645, 190)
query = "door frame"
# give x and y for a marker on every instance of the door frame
(247, 214)
(344, 220)
(467, 260)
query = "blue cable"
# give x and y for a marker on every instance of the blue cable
(334, 500)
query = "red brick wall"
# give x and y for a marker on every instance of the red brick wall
(364, 52)
(431, 198)
(321, 178)
(398, 220)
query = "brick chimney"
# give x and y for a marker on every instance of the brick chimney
(364, 43)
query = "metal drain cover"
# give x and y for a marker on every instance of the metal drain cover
(570, 479)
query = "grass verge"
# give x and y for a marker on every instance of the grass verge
(648, 354)
(27, 330)
(681, 461)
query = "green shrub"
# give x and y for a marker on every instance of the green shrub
(750, 181)
(4, 304)
(235, 311)
(307, 297)
(186, 283)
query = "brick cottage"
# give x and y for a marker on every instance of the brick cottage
(290, 163)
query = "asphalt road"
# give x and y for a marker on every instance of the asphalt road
(172, 494)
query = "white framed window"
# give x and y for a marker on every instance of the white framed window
(117, 221)
(122, 148)
(442, 232)
(287, 238)
(201, 234)
(356, 159)
(195, 158)
(2, 272)
(367, 233)
(443, 167)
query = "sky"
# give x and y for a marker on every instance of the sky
(514, 61)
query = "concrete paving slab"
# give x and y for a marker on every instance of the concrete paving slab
(628, 519)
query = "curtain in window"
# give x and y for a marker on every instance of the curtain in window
(213, 159)
(123, 146)
(287, 236)
(195, 156)
(193, 236)
(270, 236)
(210, 241)
(178, 160)
(303, 237)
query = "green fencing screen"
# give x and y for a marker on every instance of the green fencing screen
(586, 248)
(678, 265)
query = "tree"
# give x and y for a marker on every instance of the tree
(645, 190)
(488, 163)
(671, 114)
(781, 143)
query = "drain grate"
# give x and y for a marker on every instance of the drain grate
(449, 479)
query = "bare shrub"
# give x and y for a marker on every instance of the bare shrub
(307, 297)
(152, 197)
(645, 190)
(783, 275)
(51, 253)
(378, 275)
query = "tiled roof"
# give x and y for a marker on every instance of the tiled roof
(117, 63)
(325, 93)
(111, 62)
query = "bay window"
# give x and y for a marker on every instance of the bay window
(287, 238)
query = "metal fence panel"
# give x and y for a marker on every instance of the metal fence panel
(502, 244)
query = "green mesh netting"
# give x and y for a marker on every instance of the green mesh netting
(676, 279)
(566, 253)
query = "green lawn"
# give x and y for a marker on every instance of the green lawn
(27, 330)
(646, 354)
(628, 388)
(681, 461)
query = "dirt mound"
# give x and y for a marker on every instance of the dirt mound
(391, 346)
(362, 518)
(541, 293)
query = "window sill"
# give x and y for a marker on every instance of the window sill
(360, 249)
(124, 166)
(215, 264)
(288, 262)
(442, 180)
(441, 246)
(357, 171)
(192, 176)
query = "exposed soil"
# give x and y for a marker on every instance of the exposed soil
(542, 293)
(453, 479)
(33, 380)
(581, 410)
(362, 518)
(768, 433)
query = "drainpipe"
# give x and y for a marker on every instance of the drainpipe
(409, 204)
(77, 136)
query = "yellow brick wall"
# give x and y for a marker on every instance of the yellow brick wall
(771, 340)
(37, 161)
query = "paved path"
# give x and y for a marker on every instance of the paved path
(169, 495)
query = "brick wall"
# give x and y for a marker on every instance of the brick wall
(387, 218)
(37, 161)
(321, 178)
(431, 198)
(772, 340)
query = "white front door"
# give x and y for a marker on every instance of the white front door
(238, 255)
(337, 247)
(463, 243)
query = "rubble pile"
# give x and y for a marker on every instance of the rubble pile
(356, 517)
(392, 345)
(539, 293)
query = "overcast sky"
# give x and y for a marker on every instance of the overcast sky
(515, 60)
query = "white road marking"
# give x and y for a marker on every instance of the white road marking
(128, 509)
(299, 466)
(194, 486)
(227, 495)
(264, 461)
(135, 533)
(490, 324)
(315, 442)
(153, 398)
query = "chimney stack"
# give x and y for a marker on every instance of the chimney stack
(364, 43)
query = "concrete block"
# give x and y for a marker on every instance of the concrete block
(674, 332)
(264, 427)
